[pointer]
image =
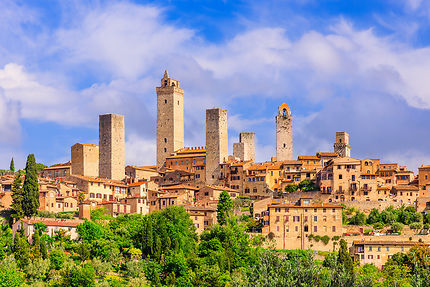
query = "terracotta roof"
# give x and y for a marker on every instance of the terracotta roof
(52, 222)
(90, 144)
(198, 149)
(293, 162)
(180, 186)
(186, 155)
(308, 157)
(101, 180)
(147, 168)
(217, 187)
(59, 166)
(171, 195)
(137, 183)
(312, 205)
(200, 208)
(406, 187)
(327, 154)
(386, 242)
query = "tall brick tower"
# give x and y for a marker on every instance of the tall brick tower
(170, 118)
(245, 148)
(85, 159)
(216, 143)
(341, 146)
(111, 147)
(284, 133)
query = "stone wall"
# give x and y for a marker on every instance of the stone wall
(284, 136)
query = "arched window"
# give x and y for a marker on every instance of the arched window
(284, 112)
(165, 83)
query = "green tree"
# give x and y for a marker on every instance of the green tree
(10, 277)
(17, 197)
(30, 202)
(397, 227)
(343, 257)
(416, 226)
(36, 250)
(21, 249)
(12, 166)
(374, 217)
(89, 231)
(307, 185)
(291, 188)
(225, 206)
(79, 276)
(57, 258)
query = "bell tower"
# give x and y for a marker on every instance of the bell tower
(170, 118)
(341, 146)
(284, 133)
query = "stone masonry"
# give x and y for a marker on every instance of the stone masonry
(341, 146)
(216, 143)
(284, 133)
(85, 159)
(245, 148)
(111, 147)
(170, 118)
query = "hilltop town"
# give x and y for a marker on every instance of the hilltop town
(297, 203)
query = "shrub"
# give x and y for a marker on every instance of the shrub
(38, 269)
(416, 226)
(325, 239)
(79, 276)
(367, 231)
(134, 268)
(101, 267)
(335, 238)
(378, 225)
(57, 258)
(397, 227)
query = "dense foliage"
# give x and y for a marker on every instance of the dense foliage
(163, 249)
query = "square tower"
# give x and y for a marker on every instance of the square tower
(111, 147)
(284, 133)
(85, 159)
(245, 148)
(216, 143)
(341, 146)
(170, 118)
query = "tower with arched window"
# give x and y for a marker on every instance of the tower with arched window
(341, 146)
(284, 133)
(170, 118)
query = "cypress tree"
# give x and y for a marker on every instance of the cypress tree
(12, 166)
(344, 258)
(36, 245)
(17, 197)
(43, 249)
(22, 250)
(30, 188)
(225, 206)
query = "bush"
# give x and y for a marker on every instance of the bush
(378, 225)
(57, 258)
(101, 267)
(79, 276)
(367, 231)
(416, 226)
(397, 227)
(38, 269)
(325, 239)
(134, 268)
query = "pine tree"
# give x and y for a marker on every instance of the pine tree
(30, 188)
(225, 206)
(344, 258)
(12, 166)
(17, 197)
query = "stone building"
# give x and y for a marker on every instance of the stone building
(341, 146)
(284, 133)
(85, 159)
(216, 143)
(378, 252)
(57, 171)
(170, 118)
(245, 148)
(111, 147)
(290, 224)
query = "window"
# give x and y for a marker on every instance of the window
(277, 228)
(370, 248)
(333, 229)
(315, 218)
(165, 101)
(315, 229)
(340, 176)
(165, 140)
(297, 229)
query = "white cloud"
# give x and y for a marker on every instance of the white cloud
(139, 151)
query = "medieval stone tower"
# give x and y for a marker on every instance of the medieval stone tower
(341, 146)
(216, 143)
(245, 148)
(111, 147)
(170, 118)
(85, 159)
(284, 133)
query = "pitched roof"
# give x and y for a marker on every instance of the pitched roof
(53, 222)
(386, 242)
(137, 183)
(179, 186)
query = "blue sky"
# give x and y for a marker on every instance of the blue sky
(357, 66)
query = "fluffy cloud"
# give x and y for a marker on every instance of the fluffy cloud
(349, 79)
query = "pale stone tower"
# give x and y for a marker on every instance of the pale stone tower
(341, 146)
(170, 118)
(216, 143)
(284, 133)
(85, 159)
(245, 148)
(111, 147)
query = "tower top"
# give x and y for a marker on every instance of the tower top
(284, 110)
(166, 81)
